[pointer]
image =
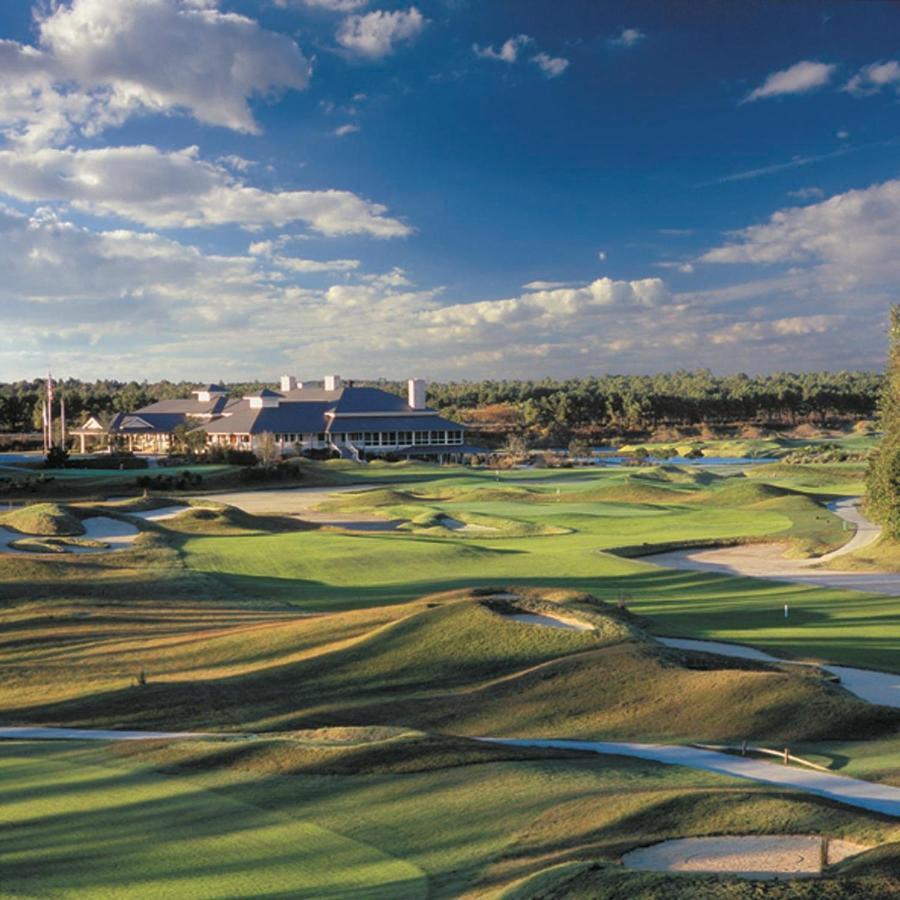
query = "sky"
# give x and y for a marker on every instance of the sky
(449, 189)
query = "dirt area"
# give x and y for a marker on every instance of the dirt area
(756, 857)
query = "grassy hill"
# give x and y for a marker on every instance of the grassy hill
(446, 664)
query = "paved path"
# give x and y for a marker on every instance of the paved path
(768, 561)
(881, 798)
(882, 688)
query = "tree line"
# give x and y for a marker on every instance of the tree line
(577, 405)
(883, 480)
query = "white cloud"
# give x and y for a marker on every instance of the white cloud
(629, 37)
(871, 79)
(601, 255)
(375, 34)
(685, 268)
(807, 193)
(98, 63)
(553, 304)
(268, 250)
(333, 5)
(344, 130)
(551, 66)
(798, 79)
(508, 52)
(179, 190)
(854, 234)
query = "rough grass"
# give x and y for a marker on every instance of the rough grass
(56, 544)
(445, 665)
(43, 519)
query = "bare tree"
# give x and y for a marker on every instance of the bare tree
(267, 451)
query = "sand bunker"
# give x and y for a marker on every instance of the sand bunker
(112, 534)
(452, 524)
(550, 621)
(768, 856)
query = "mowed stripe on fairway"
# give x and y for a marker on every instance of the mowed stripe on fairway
(91, 830)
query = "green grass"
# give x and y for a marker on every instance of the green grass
(447, 664)
(43, 519)
(149, 821)
(326, 571)
(78, 826)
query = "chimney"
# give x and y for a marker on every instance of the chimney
(288, 383)
(416, 393)
(332, 382)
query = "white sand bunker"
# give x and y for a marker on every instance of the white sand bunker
(549, 621)
(452, 524)
(757, 857)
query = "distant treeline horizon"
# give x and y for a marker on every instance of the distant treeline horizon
(555, 408)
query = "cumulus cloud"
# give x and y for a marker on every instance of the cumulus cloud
(798, 79)
(179, 190)
(98, 63)
(854, 233)
(554, 304)
(376, 34)
(871, 79)
(629, 37)
(344, 130)
(551, 66)
(509, 50)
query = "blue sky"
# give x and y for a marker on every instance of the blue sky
(201, 189)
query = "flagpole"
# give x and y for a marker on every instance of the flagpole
(49, 411)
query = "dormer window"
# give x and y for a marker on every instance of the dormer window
(265, 399)
(209, 392)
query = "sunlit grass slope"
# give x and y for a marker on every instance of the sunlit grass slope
(446, 664)
(147, 821)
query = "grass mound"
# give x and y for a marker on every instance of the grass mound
(371, 499)
(229, 521)
(329, 751)
(49, 519)
(56, 544)
(741, 492)
(449, 665)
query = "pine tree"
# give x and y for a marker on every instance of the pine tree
(883, 478)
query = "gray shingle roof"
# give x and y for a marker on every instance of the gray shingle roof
(392, 423)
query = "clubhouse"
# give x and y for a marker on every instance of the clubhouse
(302, 417)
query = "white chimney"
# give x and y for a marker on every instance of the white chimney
(416, 393)
(288, 383)
(332, 382)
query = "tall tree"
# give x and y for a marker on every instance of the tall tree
(883, 480)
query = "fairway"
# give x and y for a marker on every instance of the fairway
(75, 823)
(591, 516)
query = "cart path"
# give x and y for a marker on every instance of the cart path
(767, 560)
(868, 795)
(882, 798)
(882, 688)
